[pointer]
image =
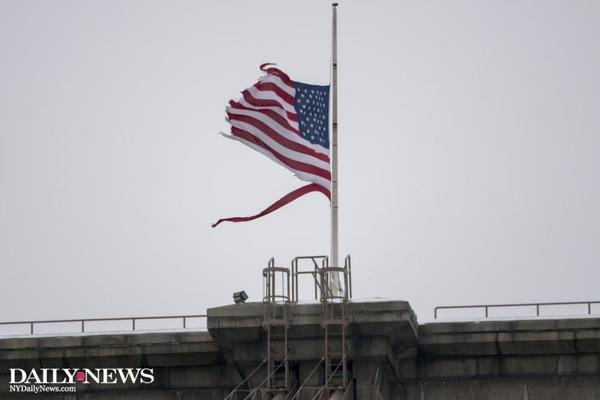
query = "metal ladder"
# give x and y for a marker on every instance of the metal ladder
(336, 377)
(334, 321)
(276, 323)
(279, 291)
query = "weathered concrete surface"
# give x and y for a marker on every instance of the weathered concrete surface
(376, 328)
(379, 333)
(526, 359)
(186, 364)
(531, 388)
(509, 348)
(391, 356)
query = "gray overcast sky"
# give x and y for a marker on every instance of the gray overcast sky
(469, 152)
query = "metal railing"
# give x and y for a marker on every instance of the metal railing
(271, 294)
(537, 306)
(82, 322)
(317, 263)
(321, 272)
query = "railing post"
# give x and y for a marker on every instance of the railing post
(589, 308)
(133, 324)
(486, 311)
(82, 326)
(31, 328)
(183, 322)
(317, 277)
(537, 309)
(350, 274)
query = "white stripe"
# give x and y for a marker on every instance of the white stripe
(268, 95)
(280, 84)
(278, 110)
(286, 133)
(284, 151)
(305, 176)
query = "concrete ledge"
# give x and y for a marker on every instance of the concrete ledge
(528, 337)
(243, 322)
(107, 339)
(511, 325)
(580, 388)
(502, 349)
(149, 349)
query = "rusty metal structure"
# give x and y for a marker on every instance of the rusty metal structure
(276, 322)
(281, 289)
(334, 319)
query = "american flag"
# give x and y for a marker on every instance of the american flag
(288, 122)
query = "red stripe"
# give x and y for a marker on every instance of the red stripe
(293, 164)
(267, 103)
(288, 198)
(271, 87)
(276, 71)
(269, 113)
(261, 126)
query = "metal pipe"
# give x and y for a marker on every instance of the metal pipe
(316, 276)
(306, 380)
(253, 392)
(228, 397)
(320, 391)
(349, 264)
(334, 140)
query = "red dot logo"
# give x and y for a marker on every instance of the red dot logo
(80, 376)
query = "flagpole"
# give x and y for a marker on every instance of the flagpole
(334, 145)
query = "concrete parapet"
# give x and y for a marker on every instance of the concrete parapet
(390, 356)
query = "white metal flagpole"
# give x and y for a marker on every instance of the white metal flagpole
(334, 152)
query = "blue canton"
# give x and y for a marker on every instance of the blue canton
(312, 106)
